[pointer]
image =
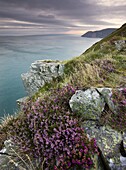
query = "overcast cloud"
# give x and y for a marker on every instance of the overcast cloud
(60, 16)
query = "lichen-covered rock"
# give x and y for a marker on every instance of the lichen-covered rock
(88, 103)
(5, 154)
(120, 44)
(112, 143)
(108, 140)
(41, 71)
(107, 93)
(10, 158)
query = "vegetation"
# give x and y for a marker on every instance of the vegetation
(49, 132)
(102, 65)
(46, 129)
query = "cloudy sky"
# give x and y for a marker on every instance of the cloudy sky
(60, 16)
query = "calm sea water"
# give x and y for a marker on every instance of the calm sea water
(18, 52)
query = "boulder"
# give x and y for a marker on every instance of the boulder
(108, 140)
(106, 94)
(10, 158)
(41, 71)
(5, 155)
(88, 103)
(120, 44)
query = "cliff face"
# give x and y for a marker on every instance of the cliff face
(99, 34)
(41, 72)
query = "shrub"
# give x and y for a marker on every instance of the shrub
(49, 133)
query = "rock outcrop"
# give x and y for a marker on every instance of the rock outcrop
(108, 140)
(120, 45)
(41, 71)
(90, 104)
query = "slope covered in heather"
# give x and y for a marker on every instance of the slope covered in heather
(42, 130)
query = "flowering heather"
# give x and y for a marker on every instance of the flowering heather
(119, 99)
(49, 132)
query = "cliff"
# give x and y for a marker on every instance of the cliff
(41, 72)
(99, 34)
(75, 110)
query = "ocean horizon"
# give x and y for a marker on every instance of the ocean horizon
(18, 52)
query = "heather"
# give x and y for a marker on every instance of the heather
(51, 134)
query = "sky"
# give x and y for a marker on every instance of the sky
(22, 17)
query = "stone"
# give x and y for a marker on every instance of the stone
(108, 140)
(10, 159)
(107, 93)
(120, 44)
(41, 72)
(4, 158)
(20, 102)
(89, 103)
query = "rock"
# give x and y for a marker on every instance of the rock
(108, 140)
(88, 103)
(4, 157)
(120, 44)
(20, 102)
(10, 159)
(41, 71)
(112, 144)
(107, 93)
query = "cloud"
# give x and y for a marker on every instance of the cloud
(58, 15)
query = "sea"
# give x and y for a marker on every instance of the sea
(18, 52)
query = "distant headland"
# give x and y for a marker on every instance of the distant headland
(99, 34)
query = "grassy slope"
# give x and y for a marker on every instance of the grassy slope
(118, 34)
(101, 65)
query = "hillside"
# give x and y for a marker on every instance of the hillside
(49, 134)
(103, 64)
(99, 34)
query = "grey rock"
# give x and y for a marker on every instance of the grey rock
(4, 158)
(107, 93)
(10, 159)
(88, 103)
(108, 140)
(120, 44)
(20, 102)
(41, 71)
